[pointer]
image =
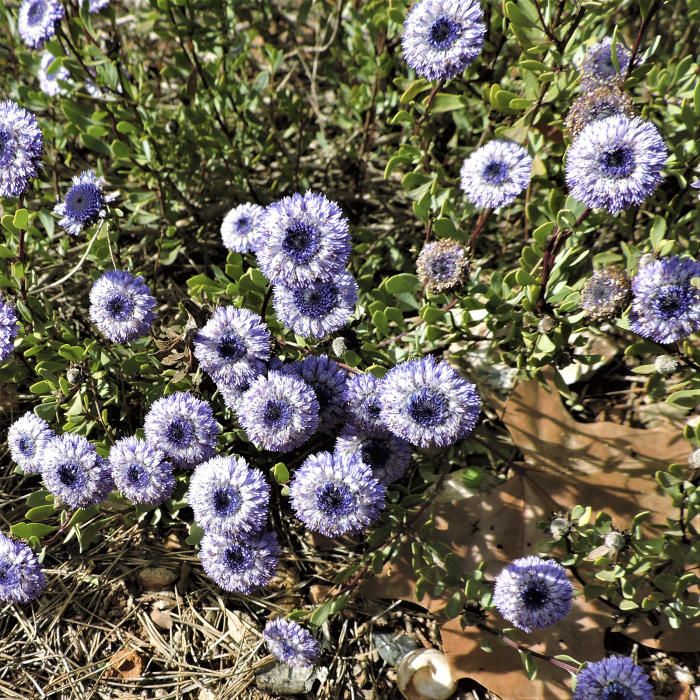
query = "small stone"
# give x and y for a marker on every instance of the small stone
(392, 646)
(156, 578)
(281, 679)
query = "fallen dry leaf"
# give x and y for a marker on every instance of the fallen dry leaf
(126, 663)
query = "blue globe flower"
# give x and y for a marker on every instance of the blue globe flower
(183, 427)
(614, 678)
(335, 494)
(615, 163)
(141, 471)
(121, 306)
(363, 403)
(37, 21)
(98, 5)
(84, 203)
(238, 229)
(27, 438)
(442, 37)
(291, 644)
(316, 309)
(8, 329)
(442, 265)
(302, 239)
(532, 593)
(228, 497)
(495, 174)
(21, 577)
(666, 302)
(598, 67)
(74, 472)
(49, 78)
(21, 146)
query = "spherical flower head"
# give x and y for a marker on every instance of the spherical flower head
(84, 203)
(614, 678)
(385, 454)
(238, 229)
(597, 103)
(606, 294)
(21, 146)
(27, 438)
(560, 528)
(666, 302)
(21, 576)
(229, 497)
(74, 472)
(598, 68)
(121, 306)
(279, 412)
(615, 163)
(442, 37)
(316, 309)
(232, 395)
(335, 494)
(141, 472)
(37, 21)
(98, 5)
(666, 365)
(533, 593)
(428, 403)
(8, 329)
(442, 266)
(330, 384)
(49, 78)
(363, 402)
(302, 239)
(495, 174)
(233, 347)
(291, 644)
(183, 427)
(240, 566)
(616, 541)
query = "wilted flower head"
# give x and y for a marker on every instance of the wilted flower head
(74, 472)
(615, 162)
(279, 412)
(316, 309)
(37, 21)
(597, 103)
(614, 678)
(606, 294)
(495, 174)
(229, 497)
(442, 265)
(335, 494)
(27, 438)
(121, 306)
(428, 403)
(239, 566)
(442, 37)
(233, 347)
(291, 644)
(385, 454)
(364, 406)
(183, 427)
(21, 146)
(8, 329)
(21, 576)
(302, 239)
(141, 471)
(532, 593)
(238, 229)
(329, 382)
(84, 203)
(666, 303)
(598, 67)
(49, 77)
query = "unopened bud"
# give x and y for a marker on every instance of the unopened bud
(74, 375)
(560, 528)
(340, 347)
(546, 324)
(694, 459)
(666, 365)
(615, 541)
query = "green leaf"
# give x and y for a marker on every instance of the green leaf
(40, 513)
(281, 473)
(403, 282)
(21, 219)
(26, 531)
(444, 102)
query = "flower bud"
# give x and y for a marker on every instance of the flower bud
(606, 294)
(340, 347)
(560, 528)
(615, 541)
(694, 459)
(666, 365)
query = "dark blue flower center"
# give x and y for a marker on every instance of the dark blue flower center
(180, 432)
(442, 266)
(616, 691)
(495, 172)
(36, 11)
(237, 558)
(276, 414)
(120, 306)
(427, 406)
(335, 500)
(135, 474)
(68, 474)
(535, 594)
(8, 575)
(244, 224)
(671, 301)
(443, 33)
(226, 500)
(300, 241)
(376, 452)
(316, 301)
(231, 347)
(323, 394)
(26, 446)
(84, 203)
(617, 162)
(373, 407)
(7, 151)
